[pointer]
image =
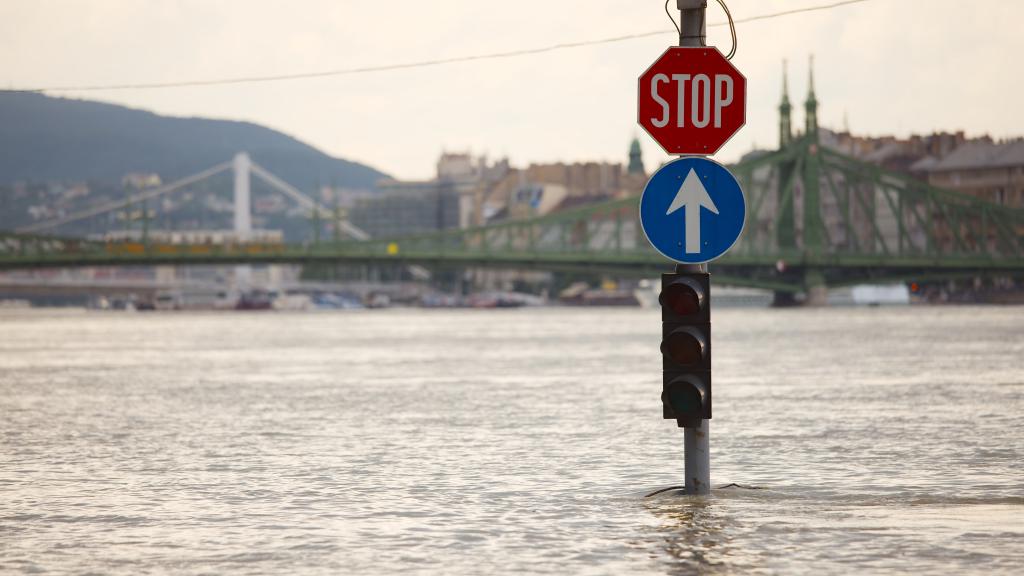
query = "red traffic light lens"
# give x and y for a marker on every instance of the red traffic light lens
(684, 347)
(683, 298)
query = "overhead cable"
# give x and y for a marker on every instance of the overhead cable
(408, 65)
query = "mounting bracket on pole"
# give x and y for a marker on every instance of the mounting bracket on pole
(692, 22)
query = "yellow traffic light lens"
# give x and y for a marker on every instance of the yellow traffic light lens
(684, 348)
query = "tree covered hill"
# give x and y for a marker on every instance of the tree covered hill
(58, 139)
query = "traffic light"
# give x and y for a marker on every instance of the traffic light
(686, 347)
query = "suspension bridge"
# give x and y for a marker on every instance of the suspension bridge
(817, 218)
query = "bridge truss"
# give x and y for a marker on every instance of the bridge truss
(816, 218)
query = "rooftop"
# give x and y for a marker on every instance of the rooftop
(977, 154)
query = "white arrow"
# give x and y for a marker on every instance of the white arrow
(691, 196)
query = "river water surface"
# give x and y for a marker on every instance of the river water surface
(883, 441)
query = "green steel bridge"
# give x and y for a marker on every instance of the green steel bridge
(816, 218)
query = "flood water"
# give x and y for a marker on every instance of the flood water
(883, 441)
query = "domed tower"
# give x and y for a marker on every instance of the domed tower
(785, 111)
(636, 160)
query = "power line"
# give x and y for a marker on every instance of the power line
(790, 12)
(419, 64)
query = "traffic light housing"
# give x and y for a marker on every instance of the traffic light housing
(686, 347)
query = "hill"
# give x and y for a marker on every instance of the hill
(49, 139)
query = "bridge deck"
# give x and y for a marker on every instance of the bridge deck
(870, 225)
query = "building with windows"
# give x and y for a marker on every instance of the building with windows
(453, 199)
(992, 171)
(471, 191)
(403, 208)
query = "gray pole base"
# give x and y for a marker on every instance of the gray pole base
(697, 453)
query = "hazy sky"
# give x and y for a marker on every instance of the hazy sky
(891, 66)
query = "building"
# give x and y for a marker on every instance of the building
(892, 153)
(404, 208)
(541, 189)
(992, 171)
(981, 167)
(453, 199)
(470, 191)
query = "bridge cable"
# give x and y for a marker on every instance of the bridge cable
(140, 196)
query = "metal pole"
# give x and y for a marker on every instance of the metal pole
(697, 450)
(692, 24)
(696, 441)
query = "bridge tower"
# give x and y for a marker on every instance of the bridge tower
(785, 111)
(785, 231)
(811, 105)
(242, 166)
(814, 234)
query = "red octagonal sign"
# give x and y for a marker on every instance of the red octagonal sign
(692, 100)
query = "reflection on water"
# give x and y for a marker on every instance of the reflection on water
(695, 536)
(467, 442)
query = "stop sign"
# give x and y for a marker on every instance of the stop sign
(692, 100)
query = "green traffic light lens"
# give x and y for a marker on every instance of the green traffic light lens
(684, 348)
(682, 298)
(685, 400)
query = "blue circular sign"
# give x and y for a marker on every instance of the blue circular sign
(692, 210)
